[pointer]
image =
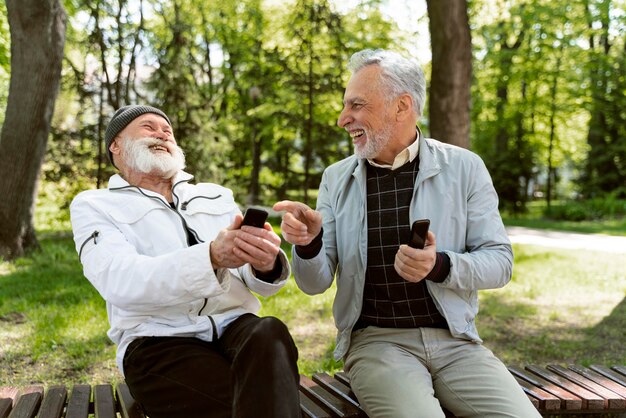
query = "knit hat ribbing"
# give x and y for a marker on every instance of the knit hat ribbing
(122, 117)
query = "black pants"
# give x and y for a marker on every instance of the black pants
(251, 371)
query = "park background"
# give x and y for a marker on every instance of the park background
(253, 88)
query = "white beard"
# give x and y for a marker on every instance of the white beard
(139, 157)
(376, 142)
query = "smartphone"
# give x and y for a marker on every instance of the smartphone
(419, 230)
(254, 217)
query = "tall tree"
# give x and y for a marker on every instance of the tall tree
(449, 110)
(37, 30)
(605, 170)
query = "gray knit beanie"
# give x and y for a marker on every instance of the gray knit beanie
(122, 117)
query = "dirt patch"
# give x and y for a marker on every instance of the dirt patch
(313, 339)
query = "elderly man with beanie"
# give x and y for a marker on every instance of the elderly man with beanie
(177, 271)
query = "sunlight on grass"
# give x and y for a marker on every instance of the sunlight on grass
(556, 307)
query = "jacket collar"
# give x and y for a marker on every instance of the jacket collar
(429, 161)
(117, 182)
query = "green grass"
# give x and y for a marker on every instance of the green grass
(562, 306)
(534, 218)
(610, 227)
(52, 321)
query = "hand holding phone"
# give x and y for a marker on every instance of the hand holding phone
(254, 217)
(419, 230)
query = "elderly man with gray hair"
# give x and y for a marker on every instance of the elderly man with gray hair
(177, 270)
(405, 314)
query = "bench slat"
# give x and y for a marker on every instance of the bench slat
(6, 404)
(568, 400)
(26, 406)
(128, 407)
(336, 406)
(611, 374)
(620, 369)
(612, 399)
(343, 378)
(103, 402)
(540, 398)
(9, 392)
(553, 390)
(590, 400)
(78, 404)
(336, 387)
(599, 379)
(310, 409)
(53, 402)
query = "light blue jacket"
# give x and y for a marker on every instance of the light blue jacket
(454, 190)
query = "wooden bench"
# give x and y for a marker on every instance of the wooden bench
(554, 390)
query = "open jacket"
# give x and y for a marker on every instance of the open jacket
(134, 250)
(454, 190)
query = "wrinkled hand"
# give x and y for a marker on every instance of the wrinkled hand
(300, 223)
(237, 245)
(413, 264)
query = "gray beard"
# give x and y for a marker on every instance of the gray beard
(140, 158)
(376, 142)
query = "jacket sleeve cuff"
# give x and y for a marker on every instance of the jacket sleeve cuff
(306, 252)
(272, 275)
(441, 269)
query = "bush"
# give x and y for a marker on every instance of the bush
(592, 209)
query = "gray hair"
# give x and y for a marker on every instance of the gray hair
(399, 75)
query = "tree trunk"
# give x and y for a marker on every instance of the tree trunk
(451, 71)
(37, 40)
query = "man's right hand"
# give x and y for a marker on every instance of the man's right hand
(300, 223)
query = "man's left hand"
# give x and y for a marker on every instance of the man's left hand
(413, 264)
(258, 246)
(237, 245)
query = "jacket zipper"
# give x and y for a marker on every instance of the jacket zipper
(183, 206)
(94, 235)
(214, 328)
(185, 226)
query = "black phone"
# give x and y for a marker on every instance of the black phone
(254, 217)
(419, 230)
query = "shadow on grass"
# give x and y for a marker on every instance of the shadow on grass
(609, 335)
(513, 331)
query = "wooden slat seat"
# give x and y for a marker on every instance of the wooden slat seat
(555, 391)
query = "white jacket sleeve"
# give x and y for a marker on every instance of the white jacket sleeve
(126, 278)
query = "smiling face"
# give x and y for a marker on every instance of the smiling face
(380, 123)
(366, 115)
(147, 146)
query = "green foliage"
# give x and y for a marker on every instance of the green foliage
(253, 89)
(592, 209)
(5, 68)
(610, 220)
(5, 39)
(541, 100)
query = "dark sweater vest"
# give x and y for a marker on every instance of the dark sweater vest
(389, 300)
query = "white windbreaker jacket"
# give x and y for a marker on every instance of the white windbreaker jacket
(454, 190)
(134, 250)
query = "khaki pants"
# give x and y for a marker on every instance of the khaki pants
(397, 373)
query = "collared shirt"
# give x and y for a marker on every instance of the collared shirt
(406, 155)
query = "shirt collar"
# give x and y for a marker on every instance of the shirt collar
(406, 155)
